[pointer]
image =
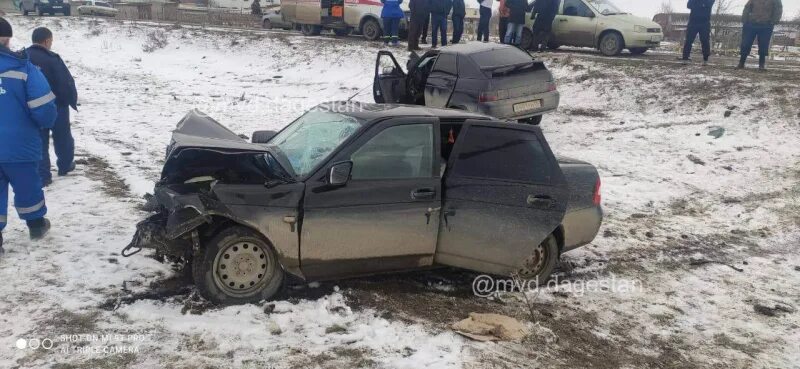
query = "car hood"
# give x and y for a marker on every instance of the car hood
(197, 130)
(632, 20)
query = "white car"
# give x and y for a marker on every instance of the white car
(273, 19)
(92, 7)
(599, 24)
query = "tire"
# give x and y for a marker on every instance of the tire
(542, 262)
(638, 50)
(310, 30)
(612, 44)
(255, 273)
(341, 31)
(527, 39)
(532, 120)
(553, 46)
(371, 30)
(266, 24)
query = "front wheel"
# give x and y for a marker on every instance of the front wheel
(371, 30)
(638, 50)
(611, 44)
(237, 266)
(541, 263)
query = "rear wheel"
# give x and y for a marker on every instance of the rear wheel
(237, 266)
(371, 30)
(611, 44)
(310, 30)
(541, 263)
(266, 24)
(527, 39)
(638, 50)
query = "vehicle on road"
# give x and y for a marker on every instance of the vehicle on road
(274, 19)
(101, 8)
(354, 189)
(42, 7)
(341, 16)
(498, 80)
(601, 25)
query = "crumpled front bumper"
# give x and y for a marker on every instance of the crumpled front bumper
(169, 231)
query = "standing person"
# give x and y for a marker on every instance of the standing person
(699, 24)
(516, 21)
(255, 8)
(419, 17)
(504, 13)
(426, 23)
(485, 12)
(759, 19)
(391, 14)
(63, 86)
(27, 106)
(459, 12)
(544, 11)
(439, 11)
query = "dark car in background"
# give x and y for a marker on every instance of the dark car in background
(42, 7)
(353, 189)
(498, 80)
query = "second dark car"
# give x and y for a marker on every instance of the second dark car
(498, 80)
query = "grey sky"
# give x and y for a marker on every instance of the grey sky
(648, 8)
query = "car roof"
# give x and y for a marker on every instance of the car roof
(370, 113)
(473, 47)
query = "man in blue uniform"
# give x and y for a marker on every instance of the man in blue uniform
(63, 86)
(28, 106)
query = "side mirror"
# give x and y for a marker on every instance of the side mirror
(262, 137)
(339, 173)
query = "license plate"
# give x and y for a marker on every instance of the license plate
(528, 105)
(56, 7)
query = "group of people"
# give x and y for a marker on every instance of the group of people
(758, 22)
(434, 12)
(36, 93)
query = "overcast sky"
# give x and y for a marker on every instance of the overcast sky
(648, 8)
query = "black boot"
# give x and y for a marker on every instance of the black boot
(38, 228)
(742, 60)
(1, 245)
(762, 63)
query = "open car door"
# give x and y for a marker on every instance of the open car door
(390, 80)
(504, 195)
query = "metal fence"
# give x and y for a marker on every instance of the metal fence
(170, 12)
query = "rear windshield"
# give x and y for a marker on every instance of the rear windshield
(500, 57)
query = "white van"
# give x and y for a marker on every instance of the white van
(341, 16)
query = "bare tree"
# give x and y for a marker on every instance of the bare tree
(723, 10)
(666, 8)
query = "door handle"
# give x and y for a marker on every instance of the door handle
(562, 20)
(541, 201)
(423, 194)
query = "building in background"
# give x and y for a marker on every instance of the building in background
(726, 30)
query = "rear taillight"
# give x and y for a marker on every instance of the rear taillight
(551, 86)
(597, 198)
(487, 97)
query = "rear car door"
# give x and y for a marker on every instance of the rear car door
(575, 25)
(442, 81)
(386, 217)
(504, 194)
(389, 86)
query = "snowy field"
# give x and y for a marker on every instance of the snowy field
(701, 189)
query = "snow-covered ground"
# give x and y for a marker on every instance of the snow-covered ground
(707, 228)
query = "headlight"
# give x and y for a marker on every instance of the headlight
(640, 29)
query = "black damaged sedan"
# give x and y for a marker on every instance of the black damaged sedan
(352, 189)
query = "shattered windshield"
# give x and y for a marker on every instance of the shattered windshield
(605, 7)
(313, 137)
